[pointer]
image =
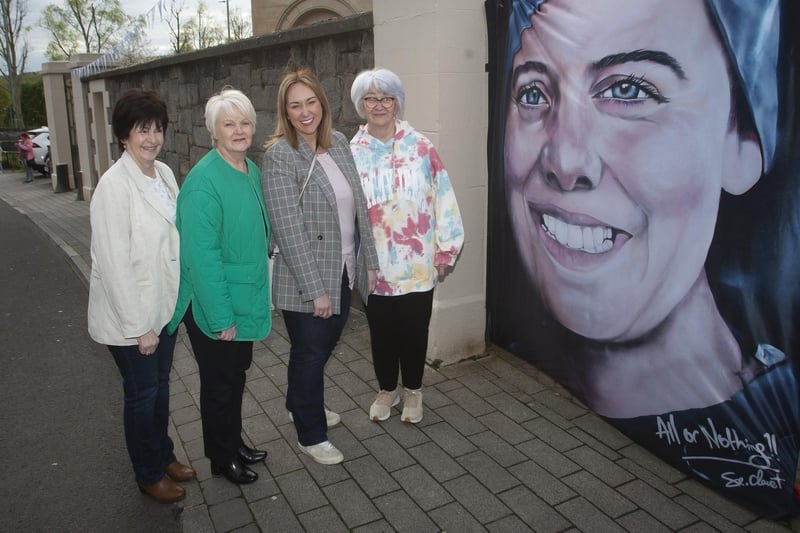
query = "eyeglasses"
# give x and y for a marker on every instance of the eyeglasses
(371, 102)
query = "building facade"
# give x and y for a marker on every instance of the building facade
(276, 15)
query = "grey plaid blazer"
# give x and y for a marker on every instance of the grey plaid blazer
(309, 238)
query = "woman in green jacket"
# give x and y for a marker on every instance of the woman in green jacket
(224, 298)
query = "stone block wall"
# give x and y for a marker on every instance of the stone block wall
(336, 50)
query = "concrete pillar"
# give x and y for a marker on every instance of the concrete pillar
(102, 132)
(83, 119)
(55, 80)
(439, 50)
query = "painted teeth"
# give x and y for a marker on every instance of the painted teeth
(589, 239)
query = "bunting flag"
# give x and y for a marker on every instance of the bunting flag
(157, 13)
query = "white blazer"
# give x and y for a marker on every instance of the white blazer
(135, 255)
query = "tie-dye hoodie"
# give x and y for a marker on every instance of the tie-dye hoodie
(412, 208)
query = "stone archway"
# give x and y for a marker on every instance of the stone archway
(304, 12)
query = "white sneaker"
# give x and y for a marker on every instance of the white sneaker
(331, 418)
(324, 453)
(412, 406)
(381, 408)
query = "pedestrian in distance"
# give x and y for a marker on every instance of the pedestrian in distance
(224, 292)
(134, 286)
(26, 155)
(418, 233)
(325, 247)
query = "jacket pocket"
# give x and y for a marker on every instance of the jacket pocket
(244, 285)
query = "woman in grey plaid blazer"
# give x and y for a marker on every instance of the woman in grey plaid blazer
(319, 220)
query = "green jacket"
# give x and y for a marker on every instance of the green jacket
(224, 232)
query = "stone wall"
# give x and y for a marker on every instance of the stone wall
(336, 50)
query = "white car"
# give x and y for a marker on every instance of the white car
(41, 149)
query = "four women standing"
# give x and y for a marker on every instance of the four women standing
(418, 233)
(325, 239)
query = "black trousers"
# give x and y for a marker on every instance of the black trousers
(223, 371)
(398, 329)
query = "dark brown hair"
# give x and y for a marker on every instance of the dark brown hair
(137, 106)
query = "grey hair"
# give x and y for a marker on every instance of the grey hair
(380, 80)
(228, 101)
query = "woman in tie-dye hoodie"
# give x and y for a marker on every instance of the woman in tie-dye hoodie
(418, 233)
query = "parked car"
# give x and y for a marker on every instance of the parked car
(41, 149)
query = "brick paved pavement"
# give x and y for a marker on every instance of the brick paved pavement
(501, 447)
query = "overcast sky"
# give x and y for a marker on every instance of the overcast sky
(158, 34)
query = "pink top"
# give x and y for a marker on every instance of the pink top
(26, 146)
(345, 204)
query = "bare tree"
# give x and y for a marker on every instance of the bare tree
(91, 26)
(241, 28)
(181, 29)
(208, 32)
(14, 51)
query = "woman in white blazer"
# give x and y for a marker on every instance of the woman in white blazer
(134, 286)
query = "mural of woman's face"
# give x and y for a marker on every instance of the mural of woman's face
(618, 143)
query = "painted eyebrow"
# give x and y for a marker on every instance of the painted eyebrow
(655, 56)
(528, 66)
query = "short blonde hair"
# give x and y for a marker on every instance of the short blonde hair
(228, 101)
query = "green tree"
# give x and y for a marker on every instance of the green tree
(13, 52)
(5, 107)
(33, 105)
(84, 26)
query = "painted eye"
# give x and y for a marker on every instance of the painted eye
(531, 95)
(631, 90)
(627, 91)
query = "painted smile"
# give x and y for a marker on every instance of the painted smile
(589, 239)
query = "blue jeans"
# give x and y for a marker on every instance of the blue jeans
(26, 164)
(145, 381)
(313, 340)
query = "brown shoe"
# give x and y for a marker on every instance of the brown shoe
(165, 491)
(179, 471)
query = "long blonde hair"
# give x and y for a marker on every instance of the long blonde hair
(284, 127)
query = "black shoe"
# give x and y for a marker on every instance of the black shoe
(249, 456)
(235, 472)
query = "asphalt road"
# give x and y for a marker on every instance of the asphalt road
(63, 463)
